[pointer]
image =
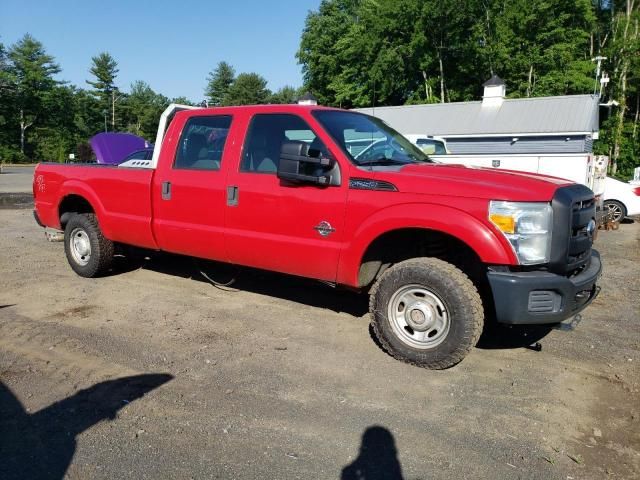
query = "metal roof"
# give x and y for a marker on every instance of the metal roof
(570, 114)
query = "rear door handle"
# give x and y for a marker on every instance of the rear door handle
(166, 190)
(232, 196)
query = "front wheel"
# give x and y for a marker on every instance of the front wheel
(89, 253)
(426, 312)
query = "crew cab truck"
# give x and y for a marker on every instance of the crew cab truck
(439, 248)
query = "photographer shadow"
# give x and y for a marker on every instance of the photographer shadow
(377, 459)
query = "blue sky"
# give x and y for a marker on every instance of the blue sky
(170, 44)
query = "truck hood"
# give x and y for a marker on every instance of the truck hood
(473, 182)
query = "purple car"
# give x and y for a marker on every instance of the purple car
(113, 148)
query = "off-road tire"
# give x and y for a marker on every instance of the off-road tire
(101, 255)
(457, 293)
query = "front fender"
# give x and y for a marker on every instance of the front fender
(486, 242)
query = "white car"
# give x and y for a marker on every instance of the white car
(429, 144)
(621, 199)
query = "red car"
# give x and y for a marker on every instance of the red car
(439, 248)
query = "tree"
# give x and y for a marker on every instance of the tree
(218, 83)
(31, 72)
(182, 101)
(105, 69)
(541, 46)
(387, 52)
(319, 50)
(619, 41)
(247, 89)
(144, 107)
(285, 95)
(6, 104)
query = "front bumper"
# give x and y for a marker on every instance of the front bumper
(543, 297)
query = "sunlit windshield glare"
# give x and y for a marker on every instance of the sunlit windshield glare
(368, 140)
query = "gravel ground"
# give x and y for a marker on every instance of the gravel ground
(154, 373)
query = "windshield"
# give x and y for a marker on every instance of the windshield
(368, 141)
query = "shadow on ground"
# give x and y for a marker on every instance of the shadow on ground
(303, 291)
(16, 201)
(377, 459)
(496, 336)
(40, 446)
(287, 287)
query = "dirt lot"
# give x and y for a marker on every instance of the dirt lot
(154, 373)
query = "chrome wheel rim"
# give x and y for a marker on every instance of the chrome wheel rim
(80, 246)
(615, 211)
(418, 317)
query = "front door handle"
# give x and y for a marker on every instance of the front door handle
(232, 196)
(166, 190)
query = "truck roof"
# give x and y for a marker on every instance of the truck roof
(270, 108)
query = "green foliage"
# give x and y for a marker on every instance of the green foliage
(357, 53)
(144, 107)
(247, 89)
(540, 46)
(286, 95)
(218, 83)
(10, 154)
(182, 101)
(105, 70)
(29, 74)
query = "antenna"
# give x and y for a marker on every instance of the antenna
(373, 100)
(599, 60)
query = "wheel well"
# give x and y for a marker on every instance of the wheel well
(73, 204)
(614, 200)
(398, 245)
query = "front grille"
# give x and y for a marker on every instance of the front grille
(573, 209)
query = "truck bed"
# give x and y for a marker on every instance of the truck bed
(121, 197)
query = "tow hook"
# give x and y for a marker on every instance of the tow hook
(569, 326)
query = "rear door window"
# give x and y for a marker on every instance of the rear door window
(202, 143)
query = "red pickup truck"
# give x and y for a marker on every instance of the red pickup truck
(340, 197)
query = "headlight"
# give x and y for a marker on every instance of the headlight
(527, 226)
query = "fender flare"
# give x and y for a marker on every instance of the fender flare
(487, 242)
(75, 187)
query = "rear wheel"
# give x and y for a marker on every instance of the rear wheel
(89, 253)
(426, 312)
(616, 209)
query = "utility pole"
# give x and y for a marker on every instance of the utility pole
(113, 110)
(114, 99)
(599, 60)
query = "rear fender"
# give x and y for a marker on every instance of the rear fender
(75, 187)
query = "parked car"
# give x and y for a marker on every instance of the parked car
(276, 187)
(429, 144)
(143, 154)
(113, 148)
(621, 199)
